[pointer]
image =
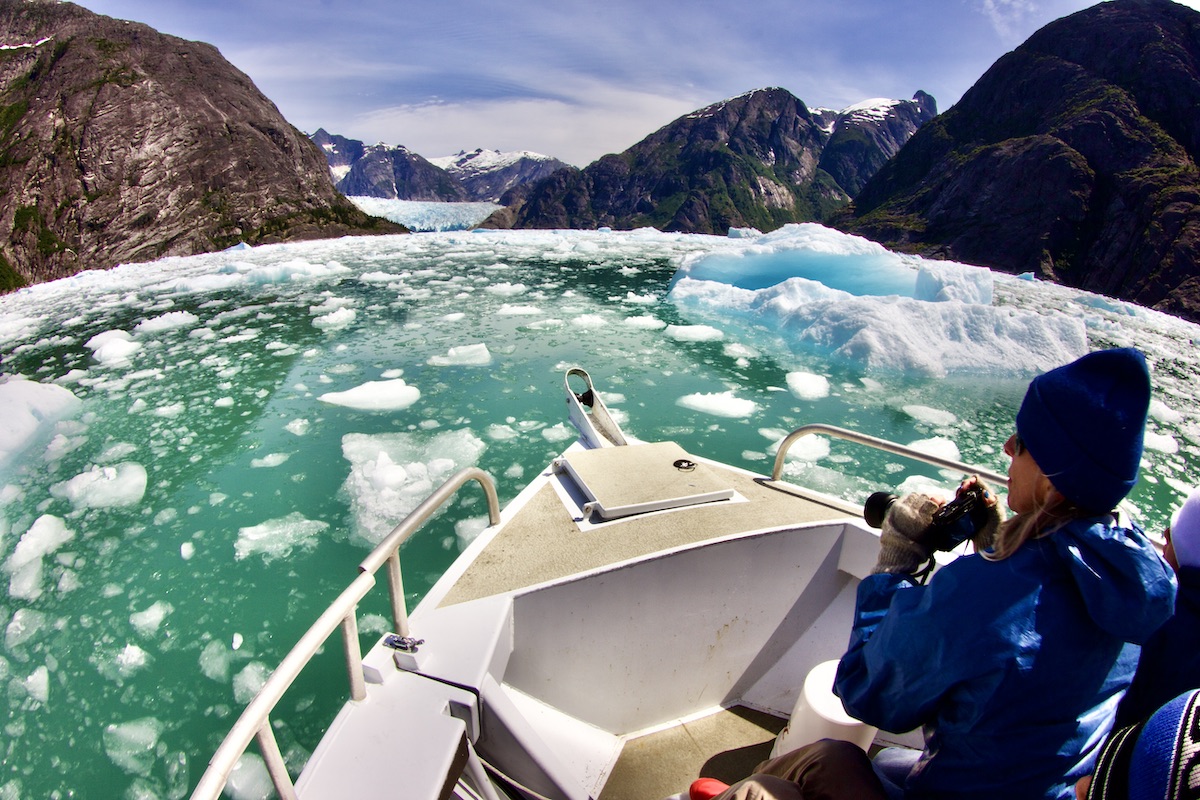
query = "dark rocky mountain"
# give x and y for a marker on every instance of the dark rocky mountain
(121, 144)
(1074, 157)
(379, 170)
(398, 173)
(758, 160)
(488, 174)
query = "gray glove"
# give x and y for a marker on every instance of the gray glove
(901, 550)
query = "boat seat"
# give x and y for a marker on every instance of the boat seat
(637, 478)
(819, 714)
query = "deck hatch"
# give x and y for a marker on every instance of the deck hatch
(634, 479)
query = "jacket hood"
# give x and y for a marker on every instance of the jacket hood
(1129, 590)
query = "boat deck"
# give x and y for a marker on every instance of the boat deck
(551, 537)
(665, 763)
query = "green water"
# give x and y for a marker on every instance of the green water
(122, 674)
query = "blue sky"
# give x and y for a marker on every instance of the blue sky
(577, 80)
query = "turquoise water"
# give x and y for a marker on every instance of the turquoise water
(154, 616)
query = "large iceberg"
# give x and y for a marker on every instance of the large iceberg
(845, 297)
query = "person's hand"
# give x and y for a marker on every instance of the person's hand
(988, 521)
(902, 549)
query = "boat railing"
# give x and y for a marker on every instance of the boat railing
(879, 444)
(255, 722)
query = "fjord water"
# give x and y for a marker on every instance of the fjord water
(247, 424)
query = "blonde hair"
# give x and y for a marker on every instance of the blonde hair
(1042, 521)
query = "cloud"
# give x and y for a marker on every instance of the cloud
(577, 129)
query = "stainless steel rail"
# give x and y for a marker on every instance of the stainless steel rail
(879, 444)
(255, 721)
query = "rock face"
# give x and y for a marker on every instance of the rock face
(759, 160)
(121, 144)
(1074, 157)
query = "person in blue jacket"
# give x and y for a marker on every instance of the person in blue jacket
(1013, 659)
(1170, 661)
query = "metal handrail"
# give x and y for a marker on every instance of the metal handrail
(879, 444)
(255, 722)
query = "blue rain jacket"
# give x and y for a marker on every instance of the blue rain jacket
(1170, 663)
(1013, 667)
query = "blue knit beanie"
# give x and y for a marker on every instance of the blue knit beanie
(1158, 759)
(1083, 425)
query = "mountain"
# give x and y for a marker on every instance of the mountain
(755, 160)
(396, 172)
(1074, 158)
(120, 144)
(382, 171)
(488, 174)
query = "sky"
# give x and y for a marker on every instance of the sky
(578, 80)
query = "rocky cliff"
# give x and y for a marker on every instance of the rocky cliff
(1074, 157)
(750, 161)
(121, 144)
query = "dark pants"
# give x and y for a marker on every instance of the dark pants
(825, 770)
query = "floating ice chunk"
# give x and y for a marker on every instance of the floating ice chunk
(25, 624)
(113, 348)
(170, 410)
(276, 538)
(390, 474)
(125, 664)
(299, 427)
(249, 779)
(113, 486)
(270, 460)
(294, 270)
(249, 681)
(131, 746)
(468, 530)
(1164, 413)
(501, 433)
(640, 299)
(645, 323)
(392, 395)
(1160, 442)
(558, 433)
(720, 404)
(336, 320)
(938, 446)
(27, 410)
(116, 452)
(37, 685)
(694, 333)
(215, 660)
(468, 355)
(744, 233)
(45, 536)
(930, 416)
(807, 385)
(507, 289)
(808, 449)
(187, 550)
(147, 622)
(589, 321)
(172, 320)
(508, 310)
